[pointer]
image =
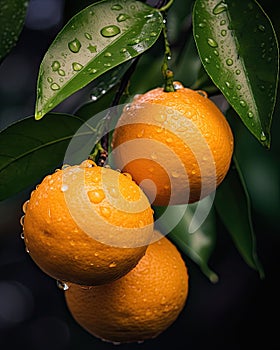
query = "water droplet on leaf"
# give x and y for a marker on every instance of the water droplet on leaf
(55, 86)
(55, 66)
(229, 62)
(116, 7)
(76, 66)
(110, 31)
(62, 285)
(219, 8)
(88, 36)
(74, 45)
(122, 17)
(211, 42)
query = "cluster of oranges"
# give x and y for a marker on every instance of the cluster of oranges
(92, 227)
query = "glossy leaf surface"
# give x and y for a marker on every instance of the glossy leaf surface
(98, 38)
(31, 150)
(199, 245)
(233, 205)
(239, 50)
(12, 15)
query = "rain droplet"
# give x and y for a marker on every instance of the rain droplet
(107, 64)
(153, 34)
(55, 66)
(134, 42)
(123, 50)
(175, 174)
(211, 42)
(122, 17)
(216, 52)
(223, 32)
(229, 62)
(116, 7)
(62, 285)
(76, 66)
(219, 8)
(201, 25)
(92, 71)
(261, 27)
(24, 206)
(49, 80)
(21, 221)
(61, 72)
(110, 31)
(242, 103)
(263, 137)
(64, 188)
(250, 114)
(108, 54)
(74, 45)
(113, 264)
(228, 85)
(88, 36)
(207, 60)
(106, 212)
(55, 86)
(238, 71)
(223, 22)
(96, 196)
(22, 235)
(92, 48)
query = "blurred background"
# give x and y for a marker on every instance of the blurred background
(235, 313)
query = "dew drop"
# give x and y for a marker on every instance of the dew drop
(61, 72)
(96, 196)
(122, 17)
(55, 66)
(106, 212)
(55, 86)
(219, 8)
(64, 188)
(175, 174)
(74, 45)
(261, 27)
(229, 62)
(116, 7)
(228, 85)
(211, 42)
(62, 285)
(153, 34)
(123, 50)
(113, 264)
(242, 103)
(107, 54)
(250, 114)
(238, 71)
(201, 25)
(223, 32)
(263, 137)
(110, 31)
(88, 36)
(76, 66)
(134, 42)
(22, 235)
(223, 22)
(93, 71)
(21, 221)
(49, 80)
(207, 60)
(238, 87)
(216, 52)
(92, 48)
(24, 206)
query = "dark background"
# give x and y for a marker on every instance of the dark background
(240, 311)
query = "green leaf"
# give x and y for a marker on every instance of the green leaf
(31, 149)
(234, 208)
(98, 38)
(12, 16)
(192, 230)
(239, 50)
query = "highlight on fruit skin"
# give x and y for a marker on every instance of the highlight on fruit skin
(138, 306)
(176, 145)
(86, 224)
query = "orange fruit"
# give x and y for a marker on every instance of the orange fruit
(87, 224)
(138, 306)
(176, 145)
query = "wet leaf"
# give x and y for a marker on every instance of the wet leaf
(97, 39)
(12, 16)
(234, 208)
(239, 50)
(177, 222)
(31, 149)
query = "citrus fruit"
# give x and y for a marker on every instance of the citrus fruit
(138, 306)
(87, 224)
(176, 145)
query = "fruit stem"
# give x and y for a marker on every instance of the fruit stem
(100, 152)
(166, 72)
(167, 6)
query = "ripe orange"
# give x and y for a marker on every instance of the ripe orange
(176, 145)
(87, 224)
(138, 306)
